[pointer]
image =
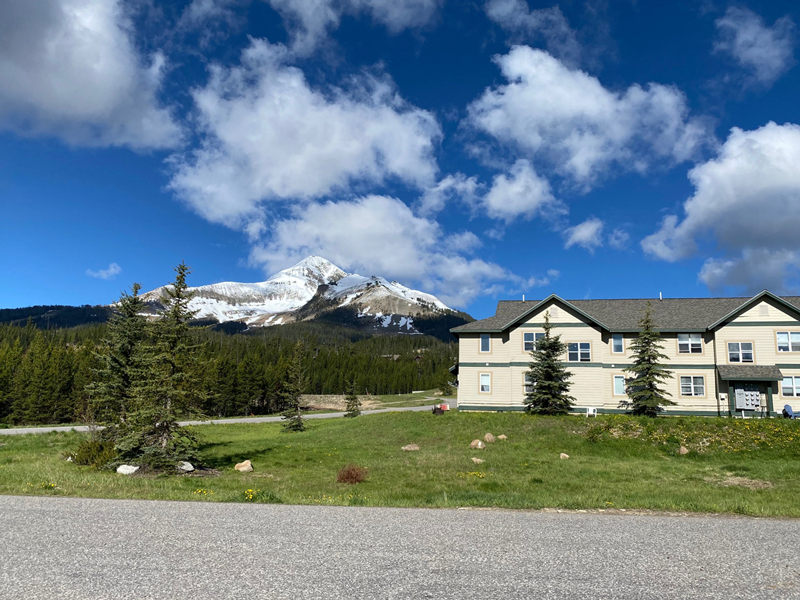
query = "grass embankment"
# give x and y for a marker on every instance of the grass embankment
(747, 467)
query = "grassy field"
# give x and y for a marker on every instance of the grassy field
(747, 467)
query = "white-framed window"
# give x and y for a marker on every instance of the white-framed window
(486, 342)
(617, 344)
(529, 341)
(486, 383)
(527, 383)
(788, 341)
(619, 385)
(790, 386)
(579, 351)
(690, 343)
(740, 352)
(693, 386)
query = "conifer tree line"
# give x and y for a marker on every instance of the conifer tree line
(52, 375)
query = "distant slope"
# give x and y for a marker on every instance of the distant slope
(56, 316)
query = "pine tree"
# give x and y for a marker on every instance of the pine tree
(165, 385)
(548, 376)
(353, 405)
(291, 390)
(645, 397)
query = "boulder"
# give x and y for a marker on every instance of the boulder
(502, 437)
(186, 467)
(683, 451)
(489, 438)
(477, 444)
(127, 469)
(244, 467)
(564, 455)
(410, 448)
(478, 461)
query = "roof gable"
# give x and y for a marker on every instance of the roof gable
(752, 302)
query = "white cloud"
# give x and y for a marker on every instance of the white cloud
(310, 20)
(381, 235)
(267, 135)
(526, 25)
(457, 186)
(746, 203)
(112, 271)
(587, 235)
(466, 242)
(567, 119)
(618, 239)
(69, 68)
(764, 52)
(521, 193)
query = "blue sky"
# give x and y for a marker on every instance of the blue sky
(478, 150)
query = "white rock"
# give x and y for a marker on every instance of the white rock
(127, 469)
(477, 444)
(410, 448)
(69, 459)
(563, 455)
(477, 461)
(186, 467)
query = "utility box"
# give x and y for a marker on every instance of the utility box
(748, 399)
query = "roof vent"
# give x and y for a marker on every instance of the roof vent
(763, 310)
(554, 312)
(660, 297)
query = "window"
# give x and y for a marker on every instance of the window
(529, 341)
(690, 343)
(486, 383)
(788, 341)
(693, 386)
(486, 343)
(619, 385)
(616, 343)
(740, 352)
(527, 386)
(790, 386)
(579, 352)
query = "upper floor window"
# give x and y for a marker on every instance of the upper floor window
(690, 343)
(788, 341)
(486, 342)
(740, 352)
(693, 386)
(486, 383)
(790, 386)
(529, 341)
(579, 352)
(617, 345)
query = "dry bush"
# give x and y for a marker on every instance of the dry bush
(352, 474)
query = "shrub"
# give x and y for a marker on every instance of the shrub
(94, 453)
(352, 474)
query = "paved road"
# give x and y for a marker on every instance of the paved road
(23, 430)
(85, 549)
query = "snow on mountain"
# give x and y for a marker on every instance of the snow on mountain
(274, 301)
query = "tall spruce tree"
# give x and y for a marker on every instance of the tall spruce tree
(549, 377)
(110, 395)
(353, 404)
(291, 390)
(165, 385)
(645, 397)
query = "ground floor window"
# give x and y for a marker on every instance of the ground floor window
(527, 385)
(693, 386)
(486, 383)
(619, 385)
(790, 386)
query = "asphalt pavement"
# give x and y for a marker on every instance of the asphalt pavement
(85, 549)
(331, 415)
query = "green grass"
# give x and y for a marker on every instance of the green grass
(631, 464)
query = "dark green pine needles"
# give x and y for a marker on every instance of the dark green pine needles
(291, 390)
(353, 406)
(645, 397)
(549, 378)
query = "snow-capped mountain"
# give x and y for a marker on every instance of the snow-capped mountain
(302, 292)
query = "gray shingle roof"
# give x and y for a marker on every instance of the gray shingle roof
(670, 314)
(755, 372)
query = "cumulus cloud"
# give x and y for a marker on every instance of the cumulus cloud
(381, 235)
(765, 53)
(310, 21)
(618, 239)
(587, 235)
(112, 271)
(746, 203)
(70, 69)
(547, 24)
(566, 118)
(457, 186)
(268, 135)
(521, 192)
